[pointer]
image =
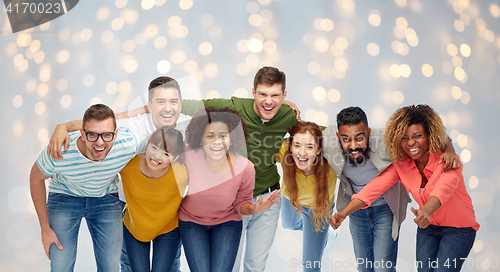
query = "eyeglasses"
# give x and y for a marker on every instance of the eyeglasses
(93, 137)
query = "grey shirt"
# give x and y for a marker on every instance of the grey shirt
(360, 175)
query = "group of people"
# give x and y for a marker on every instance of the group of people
(207, 179)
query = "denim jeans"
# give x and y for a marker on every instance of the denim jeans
(443, 248)
(371, 231)
(104, 220)
(165, 248)
(313, 241)
(259, 230)
(210, 248)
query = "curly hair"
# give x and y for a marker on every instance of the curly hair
(170, 140)
(403, 118)
(237, 128)
(321, 192)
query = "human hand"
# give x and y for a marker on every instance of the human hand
(294, 107)
(59, 137)
(422, 219)
(336, 220)
(48, 238)
(263, 204)
(450, 161)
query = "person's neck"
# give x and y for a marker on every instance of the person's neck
(422, 162)
(83, 148)
(151, 173)
(222, 165)
(158, 126)
(308, 172)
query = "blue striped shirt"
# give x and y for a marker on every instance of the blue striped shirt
(76, 175)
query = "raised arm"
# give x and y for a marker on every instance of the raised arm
(60, 137)
(294, 107)
(38, 195)
(449, 157)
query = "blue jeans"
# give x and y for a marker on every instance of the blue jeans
(371, 231)
(259, 230)
(210, 248)
(103, 216)
(124, 262)
(313, 241)
(165, 248)
(443, 248)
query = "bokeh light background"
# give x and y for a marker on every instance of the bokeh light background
(379, 55)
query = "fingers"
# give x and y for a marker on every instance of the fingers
(66, 143)
(413, 211)
(47, 251)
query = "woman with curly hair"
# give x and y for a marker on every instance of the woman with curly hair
(415, 137)
(308, 190)
(220, 190)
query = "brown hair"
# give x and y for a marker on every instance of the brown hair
(164, 82)
(403, 118)
(321, 192)
(170, 140)
(208, 115)
(99, 112)
(269, 75)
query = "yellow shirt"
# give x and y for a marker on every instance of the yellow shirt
(152, 204)
(305, 184)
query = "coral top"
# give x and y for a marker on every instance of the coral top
(456, 205)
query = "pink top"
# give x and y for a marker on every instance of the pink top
(214, 198)
(456, 205)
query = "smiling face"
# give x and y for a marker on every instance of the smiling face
(98, 150)
(415, 144)
(267, 100)
(304, 150)
(354, 141)
(158, 159)
(165, 107)
(216, 141)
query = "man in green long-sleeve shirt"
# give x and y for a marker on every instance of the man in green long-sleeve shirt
(267, 122)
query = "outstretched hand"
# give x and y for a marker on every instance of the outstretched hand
(422, 219)
(263, 204)
(49, 237)
(336, 220)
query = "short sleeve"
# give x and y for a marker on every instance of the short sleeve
(281, 152)
(45, 163)
(141, 142)
(245, 193)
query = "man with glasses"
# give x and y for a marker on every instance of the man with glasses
(83, 184)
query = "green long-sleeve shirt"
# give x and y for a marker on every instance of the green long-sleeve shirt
(264, 138)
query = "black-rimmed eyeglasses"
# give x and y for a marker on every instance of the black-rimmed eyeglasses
(93, 137)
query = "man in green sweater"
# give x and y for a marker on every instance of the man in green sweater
(267, 122)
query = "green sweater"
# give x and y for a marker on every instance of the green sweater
(264, 138)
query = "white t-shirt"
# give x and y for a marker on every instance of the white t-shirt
(143, 123)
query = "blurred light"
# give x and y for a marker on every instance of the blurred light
(402, 48)
(131, 66)
(160, 2)
(17, 60)
(63, 56)
(255, 20)
(102, 14)
(252, 7)
(401, 3)
(459, 73)
(264, 2)
(465, 18)
(129, 16)
(31, 85)
(336, 51)
(327, 25)
(241, 92)
(462, 140)
(398, 32)
(76, 39)
(313, 68)
(125, 87)
(141, 38)
(447, 67)
(39, 108)
(348, 5)
(11, 49)
(129, 46)
(211, 70)
(23, 40)
(111, 88)
(342, 43)
(213, 94)
(181, 31)
(401, 23)
(160, 42)
(270, 47)
(310, 115)
(185, 4)
(465, 98)
(175, 21)
(242, 69)
(375, 18)
(35, 46)
(454, 135)
(321, 118)
(42, 89)
(458, 8)
(337, 73)
(190, 66)
(255, 45)
(416, 6)
(107, 36)
(465, 50)
(45, 24)
(89, 80)
(394, 70)
(29, 54)
(456, 92)
(23, 66)
(17, 101)
(333, 95)
(117, 23)
(252, 60)
(95, 100)
(321, 45)
(163, 66)
(120, 101)
(489, 35)
(404, 70)
(17, 128)
(373, 49)
(147, 4)
(459, 25)
(453, 120)
(120, 3)
(45, 73)
(62, 85)
(465, 155)
(205, 48)
(495, 10)
(317, 24)
(63, 34)
(206, 20)
(178, 57)
(66, 101)
(427, 70)
(39, 57)
(215, 31)
(398, 97)
(151, 30)
(341, 64)
(86, 34)
(319, 93)
(457, 61)
(478, 244)
(480, 24)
